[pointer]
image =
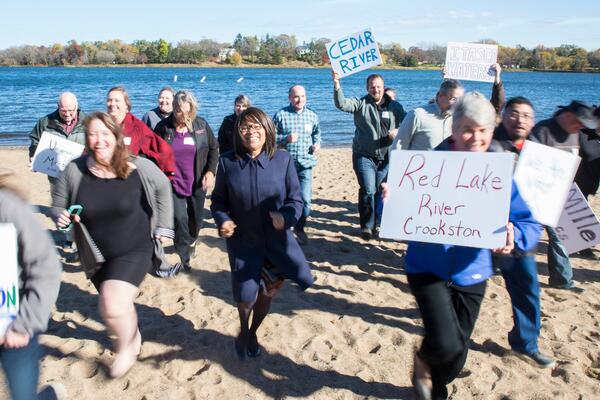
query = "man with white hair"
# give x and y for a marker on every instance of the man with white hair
(66, 121)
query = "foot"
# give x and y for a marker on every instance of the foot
(126, 358)
(253, 346)
(366, 234)
(301, 236)
(572, 286)
(239, 349)
(421, 379)
(588, 254)
(541, 360)
(53, 391)
(172, 271)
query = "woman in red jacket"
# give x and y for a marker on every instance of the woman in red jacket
(136, 135)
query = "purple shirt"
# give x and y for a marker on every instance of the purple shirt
(184, 150)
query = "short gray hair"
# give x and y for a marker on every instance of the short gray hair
(477, 108)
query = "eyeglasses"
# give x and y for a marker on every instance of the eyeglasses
(66, 111)
(250, 128)
(514, 115)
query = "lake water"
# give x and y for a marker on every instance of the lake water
(31, 93)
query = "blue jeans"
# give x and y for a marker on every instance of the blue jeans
(520, 275)
(369, 173)
(559, 267)
(305, 179)
(21, 367)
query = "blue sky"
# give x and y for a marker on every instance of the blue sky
(510, 22)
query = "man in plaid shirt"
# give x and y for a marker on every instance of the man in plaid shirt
(299, 133)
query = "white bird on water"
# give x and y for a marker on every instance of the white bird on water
(241, 78)
(203, 78)
(174, 78)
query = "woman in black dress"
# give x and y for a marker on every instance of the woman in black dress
(125, 202)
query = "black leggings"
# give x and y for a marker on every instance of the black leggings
(449, 313)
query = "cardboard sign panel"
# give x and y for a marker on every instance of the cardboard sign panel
(449, 197)
(354, 53)
(53, 153)
(578, 227)
(544, 176)
(471, 61)
(9, 279)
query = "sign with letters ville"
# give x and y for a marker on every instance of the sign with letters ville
(544, 175)
(53, 153)
(449, 197)
(354, 53)
(9, 278)
(578, 227)
(471, 61)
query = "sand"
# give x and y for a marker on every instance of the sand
(351, 336)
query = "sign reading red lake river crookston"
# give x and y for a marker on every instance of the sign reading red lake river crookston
(449, 197)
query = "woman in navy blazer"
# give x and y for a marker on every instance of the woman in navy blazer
(255, 202)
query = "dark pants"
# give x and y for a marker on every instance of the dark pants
(520, 275)
(369, 173)
(449, 314)
(560, 272)
(189, 212)
(21, 367)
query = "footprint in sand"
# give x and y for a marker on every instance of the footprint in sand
(83, 369)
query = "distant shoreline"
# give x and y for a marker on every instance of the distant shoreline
(290, 65)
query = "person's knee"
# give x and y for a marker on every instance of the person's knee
(443, 351)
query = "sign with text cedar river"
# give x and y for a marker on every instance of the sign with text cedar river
(449, 197)
(471, 61)
(354, 53)
(9, 276)
(578, 227)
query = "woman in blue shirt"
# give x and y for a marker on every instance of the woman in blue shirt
(449, 281)
(255, 202)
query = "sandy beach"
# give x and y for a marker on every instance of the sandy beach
(350, 336)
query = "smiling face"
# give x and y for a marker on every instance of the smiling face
(375, 88)
(165, 101)
(116, 105)
(471, 136)
(253, 136)
(100, 141)
(239, 107)
(297, 97)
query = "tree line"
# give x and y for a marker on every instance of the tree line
(277, 50)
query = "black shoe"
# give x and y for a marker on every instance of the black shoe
(588, 254)
(571, 286)
(541, 360)
(366, 234)
(301, 236)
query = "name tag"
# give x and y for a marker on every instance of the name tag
(308, 127)
(385, 114)
(126, 140)
(188, 141)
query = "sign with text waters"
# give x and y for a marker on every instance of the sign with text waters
(471, 61)
(53, 153)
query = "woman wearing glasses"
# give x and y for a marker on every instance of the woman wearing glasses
(255, 202)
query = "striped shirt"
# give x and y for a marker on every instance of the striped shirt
(305, 124)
